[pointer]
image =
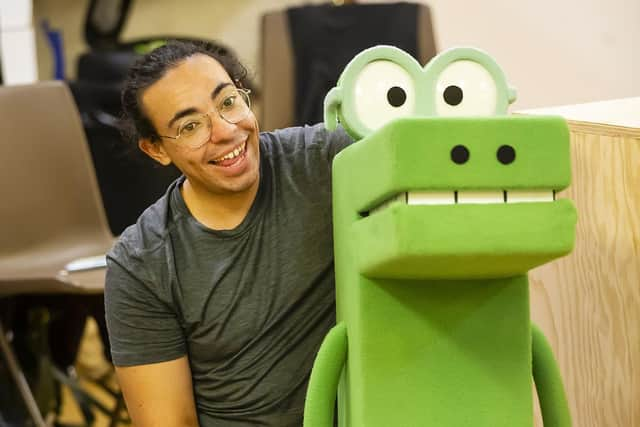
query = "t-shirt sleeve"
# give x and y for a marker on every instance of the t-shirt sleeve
(336, 141)
(142, 328)
(329, 142)
(314, 138)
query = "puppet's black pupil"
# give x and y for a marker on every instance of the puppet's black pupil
(396, 96)
(453, 95)
(459, 154)
(506, 154)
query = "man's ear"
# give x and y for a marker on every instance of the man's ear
(155, 150)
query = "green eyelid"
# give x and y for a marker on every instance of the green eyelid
(331, 105)
(512, 94)
(339, 105)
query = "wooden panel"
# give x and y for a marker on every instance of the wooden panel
(620, 115)
(277, 101)
(588, 303)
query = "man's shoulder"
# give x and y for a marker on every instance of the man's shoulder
(149, 232)
(302, 139)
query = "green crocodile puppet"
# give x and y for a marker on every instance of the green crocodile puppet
(441, 208)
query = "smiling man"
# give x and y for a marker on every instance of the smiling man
(218, 297)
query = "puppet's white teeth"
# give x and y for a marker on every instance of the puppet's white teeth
(431, 198)
(480, 197)
(523, 196)
(453, 197)
(467, 197)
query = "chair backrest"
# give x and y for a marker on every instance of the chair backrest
(48, 189)
(277, 103)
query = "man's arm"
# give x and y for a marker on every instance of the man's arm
(159, 394)
(148, 347)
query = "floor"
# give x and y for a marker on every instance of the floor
(90, 364)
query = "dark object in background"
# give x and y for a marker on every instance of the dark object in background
(325, 38)
(304, 50)
(104, 21)
(129, 180)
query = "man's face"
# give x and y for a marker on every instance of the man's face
(190, 89)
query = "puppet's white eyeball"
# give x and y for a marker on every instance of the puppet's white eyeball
(465, 88)
(383, 91)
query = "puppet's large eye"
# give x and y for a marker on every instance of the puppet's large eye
(383, 91)
(465, 88)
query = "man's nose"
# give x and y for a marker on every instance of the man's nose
(221, 130)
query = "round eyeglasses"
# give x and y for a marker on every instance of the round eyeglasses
(194, 130)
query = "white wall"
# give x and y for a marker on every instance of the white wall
(554, 51)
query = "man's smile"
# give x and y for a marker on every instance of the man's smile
(232, 156)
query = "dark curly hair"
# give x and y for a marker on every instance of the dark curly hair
(151, 67)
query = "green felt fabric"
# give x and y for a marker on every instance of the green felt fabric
(546, 374)
(415, 154)
(445, 353)
(321, 393)
(433, 301)
(461, 241)
(345, 101)
(454, 352)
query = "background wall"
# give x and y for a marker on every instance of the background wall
(554, 52)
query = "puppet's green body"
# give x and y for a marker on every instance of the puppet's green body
(432, 252)
(422, 361)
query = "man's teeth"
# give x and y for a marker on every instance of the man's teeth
(468, 197)
(232, 154)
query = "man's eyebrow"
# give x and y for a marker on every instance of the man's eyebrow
(182, 113)
(188, 111)
(219, 88)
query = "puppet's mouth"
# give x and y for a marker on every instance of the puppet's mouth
(459, 197)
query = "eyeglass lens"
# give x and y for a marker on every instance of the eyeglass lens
(233, 107)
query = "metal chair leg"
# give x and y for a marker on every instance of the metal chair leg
(21, 381)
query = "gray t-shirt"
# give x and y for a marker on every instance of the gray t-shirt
(249, 306)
